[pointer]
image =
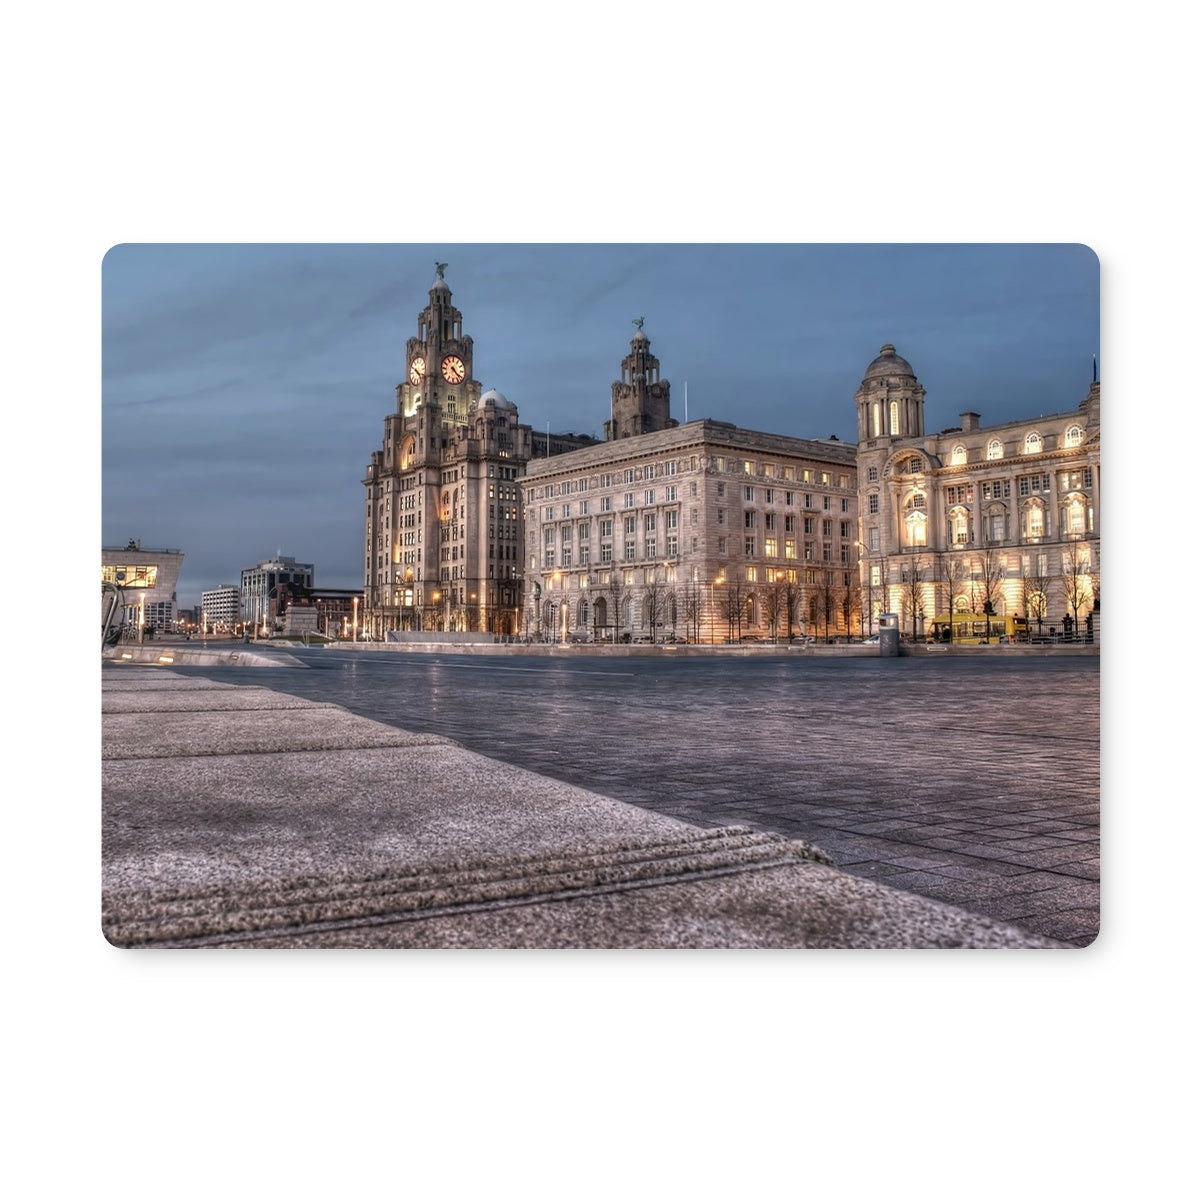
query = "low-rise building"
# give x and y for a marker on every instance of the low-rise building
(146, 581)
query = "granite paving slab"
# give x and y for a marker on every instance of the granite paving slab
(175, 734)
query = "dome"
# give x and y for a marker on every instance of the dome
(889, 363)
(496, 399)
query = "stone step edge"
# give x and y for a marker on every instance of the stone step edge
(216, 915)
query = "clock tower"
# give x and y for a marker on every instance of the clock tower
(443, 517)
(438, 362)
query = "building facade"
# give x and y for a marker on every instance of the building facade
(443, 534)
(975, 522)
(263, 583)
(147, 579)
(221, 607)
(702, 531)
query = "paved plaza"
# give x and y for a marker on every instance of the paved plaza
(970, 780)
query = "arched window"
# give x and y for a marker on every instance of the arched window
(960, 527)
(1074, 436)
(915, 524)
(995, 449)
(1074, 516)
(1034, 521)
(958, 456)
(894, 418)
(1033, 442)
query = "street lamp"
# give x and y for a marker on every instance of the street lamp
(355, 625)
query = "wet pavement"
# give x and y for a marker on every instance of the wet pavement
(975, 781)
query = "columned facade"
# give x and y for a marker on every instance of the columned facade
(975, 521)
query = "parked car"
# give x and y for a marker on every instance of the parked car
(873, 640)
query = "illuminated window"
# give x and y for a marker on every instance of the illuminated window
(958, 456)
(1074, 436)
(1033, 443)
(995, 449)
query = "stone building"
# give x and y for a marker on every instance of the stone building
(443, 508)
(976, 521)
(702, 531)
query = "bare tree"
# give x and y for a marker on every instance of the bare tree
(1035, 591)
(824, 598)
(792, 599)
(1076, 581)
(991, 575)
(953, 572)
(732, 607)
(912, 584)
(653, 600)
(691, 603)
(772, 602)
(616, 589)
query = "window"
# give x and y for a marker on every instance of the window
(750, 545)
(649, 496)
(750, 518)
(749, 494)
(771, 548)
(873, 503)
(1035, 521)
(1033, 443)
(1073, 436)
(994, 449)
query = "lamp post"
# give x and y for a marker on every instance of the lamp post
(355, 624)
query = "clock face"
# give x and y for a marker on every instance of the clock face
(453, 370)
(416, 370)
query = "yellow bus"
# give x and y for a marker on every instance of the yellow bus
(976, 628)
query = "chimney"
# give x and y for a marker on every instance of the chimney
(970, 422)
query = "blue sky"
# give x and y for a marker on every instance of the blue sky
(245, 385)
